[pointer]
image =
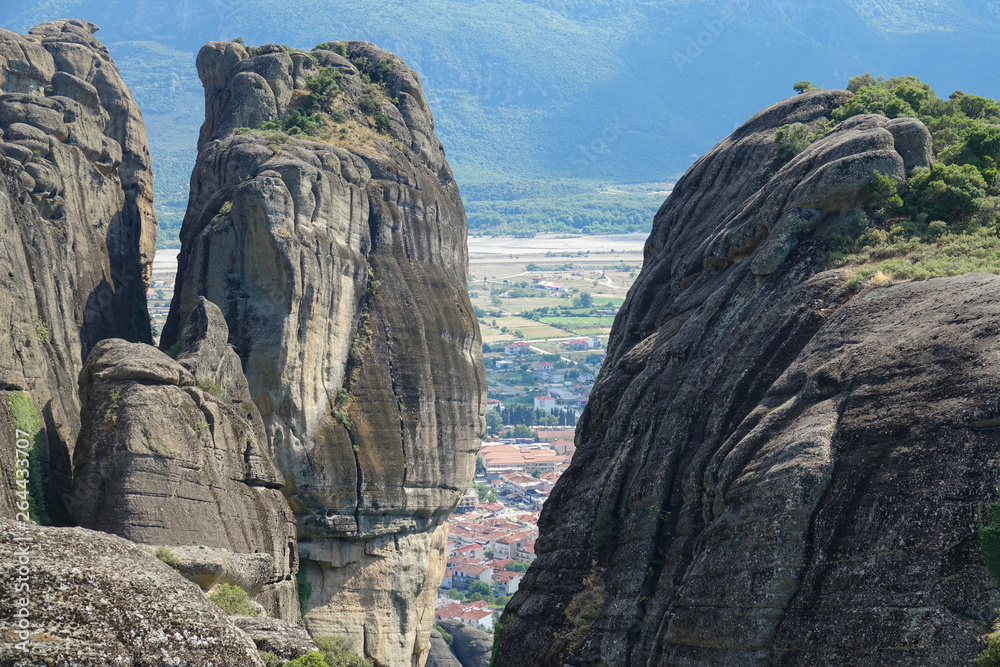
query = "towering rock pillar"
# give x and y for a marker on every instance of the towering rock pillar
(325, 223)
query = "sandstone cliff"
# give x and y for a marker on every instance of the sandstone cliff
(76, 221)
(773, 468)
(325, 223)
(173, 453)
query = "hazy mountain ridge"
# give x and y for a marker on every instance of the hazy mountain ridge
(547, 89)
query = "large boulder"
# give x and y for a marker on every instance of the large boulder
(94, 599)
(173, 453)
(339, 263)
(775, 468)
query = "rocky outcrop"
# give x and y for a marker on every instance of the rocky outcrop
(440, 654)
(469, 647)
(174, 453)
(76, 221)
(96, 599)
(774, 468)
(339, 262)
(278, 637)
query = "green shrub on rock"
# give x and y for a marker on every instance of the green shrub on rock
(233, 600)
(167, 556)
(337, 652)
(310, 659)
(270, 659)
(990, 657)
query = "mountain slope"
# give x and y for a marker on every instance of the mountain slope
(542, 89)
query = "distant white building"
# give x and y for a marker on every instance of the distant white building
(547, 403)
(516, 349)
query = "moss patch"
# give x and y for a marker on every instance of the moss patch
(29, 422)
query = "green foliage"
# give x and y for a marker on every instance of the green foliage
(41, 330)
(480, 587)
(493, 422)
(210, 386)
(232, 600)
(516, 567)
(803, 87)
(883, 192)
(497, 633)
(522, 431)
(990, 657)
(989, 539)
(604, 529)
(949, 192)
(341, 415)
(382, 123)
(373, 71)
(898, 97)
(305, 590)
(27, 420)
(448, 638)
(791, 140)
(174, 350)
(167, 556)
(270, 659)
(337, 652)
(946, 220)
(369, 105)
(856, 83)
(310, 659)
(111, 412)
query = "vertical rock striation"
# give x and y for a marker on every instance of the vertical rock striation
(76, 222)
(339, 262)
(774, 469)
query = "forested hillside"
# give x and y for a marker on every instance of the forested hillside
(531, 95)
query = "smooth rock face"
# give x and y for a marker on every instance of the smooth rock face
(76, 222)
(96, 599)
(173, 453)
(340, 267)
(785, 472)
